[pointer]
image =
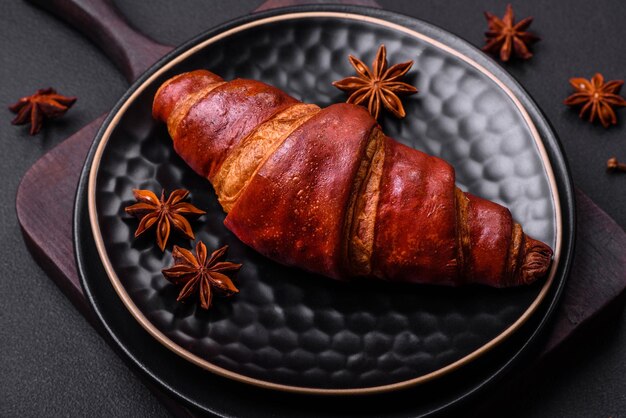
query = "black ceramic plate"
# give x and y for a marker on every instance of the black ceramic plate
(295, 331)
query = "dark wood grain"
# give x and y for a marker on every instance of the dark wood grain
(45, 205)
(597, 280)
(131, 51)
(598, 275)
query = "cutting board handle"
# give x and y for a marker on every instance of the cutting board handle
(131, 51)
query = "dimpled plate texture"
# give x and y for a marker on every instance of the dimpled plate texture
(293, 328)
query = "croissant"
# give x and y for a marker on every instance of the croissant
(327, 191)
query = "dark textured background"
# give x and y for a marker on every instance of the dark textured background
(53, 363)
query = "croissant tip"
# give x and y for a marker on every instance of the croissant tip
(537, 261)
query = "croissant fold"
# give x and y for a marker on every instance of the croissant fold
(327, 191)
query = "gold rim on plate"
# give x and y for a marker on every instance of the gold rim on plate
(163, 339)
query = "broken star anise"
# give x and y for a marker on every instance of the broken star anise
(597, 97)
(163, 213)
(379, 85)
(506, 37)
(202, 274)
(44, 104)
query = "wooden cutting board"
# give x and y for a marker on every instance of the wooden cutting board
(595, 285)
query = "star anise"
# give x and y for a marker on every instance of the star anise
(44, 104)
(202, 274)
(505, 36)
(597, 97)
(163, 213)
(380, 85)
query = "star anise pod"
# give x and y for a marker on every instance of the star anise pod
(202, 274)
(44, 104)
(505, 36)
(597, 97)
(378, 85)
(163, 213)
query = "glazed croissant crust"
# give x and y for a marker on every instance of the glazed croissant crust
(327, 191)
